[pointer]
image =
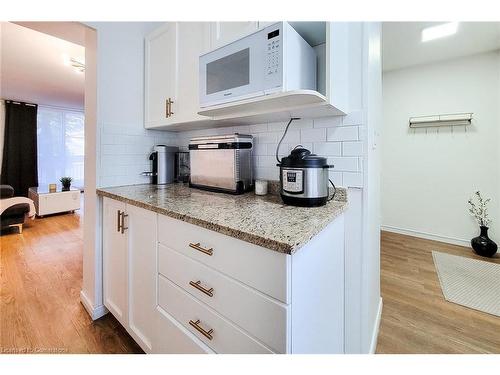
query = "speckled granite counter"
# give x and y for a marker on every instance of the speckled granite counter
(261, 220)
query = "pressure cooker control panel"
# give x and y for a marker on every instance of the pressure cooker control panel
(293, 181)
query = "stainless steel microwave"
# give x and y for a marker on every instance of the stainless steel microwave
(273, 59)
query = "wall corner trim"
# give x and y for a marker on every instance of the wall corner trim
(94, 312)
(376, 328)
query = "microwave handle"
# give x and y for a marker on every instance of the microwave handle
(209, 146)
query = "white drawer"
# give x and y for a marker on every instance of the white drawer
(258, 267)
(261, 316)
(206, 324)
(172, 338)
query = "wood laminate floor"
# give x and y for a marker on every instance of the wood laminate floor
(41, 278)
(415, 317)
(40, 309)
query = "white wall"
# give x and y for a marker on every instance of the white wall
(117, 146)
(371, 306)
(337, 138)
(428, 174)
(124, 144)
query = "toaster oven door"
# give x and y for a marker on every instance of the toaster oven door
(213, 168)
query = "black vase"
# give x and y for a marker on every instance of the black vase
(483, 245)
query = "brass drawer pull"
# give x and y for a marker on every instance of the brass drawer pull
(167, 109)
(197, 246)
(207, 334)
(197, 285)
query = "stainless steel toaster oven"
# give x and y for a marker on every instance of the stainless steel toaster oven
(222, 163)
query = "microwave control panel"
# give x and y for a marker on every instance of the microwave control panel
(273, 52)
(293, 181)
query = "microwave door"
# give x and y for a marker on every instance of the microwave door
(232, 72)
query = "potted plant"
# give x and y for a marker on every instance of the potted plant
(66, 183)
(482, 244)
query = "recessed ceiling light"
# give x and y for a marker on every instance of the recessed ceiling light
(439, 31)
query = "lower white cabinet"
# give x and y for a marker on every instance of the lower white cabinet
(180, 288)
(114, 254)
(129, 268)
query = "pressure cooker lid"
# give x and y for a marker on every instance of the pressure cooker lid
(303, 158)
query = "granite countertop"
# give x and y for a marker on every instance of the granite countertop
(261, 220)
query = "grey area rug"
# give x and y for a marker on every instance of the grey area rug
(469, 282)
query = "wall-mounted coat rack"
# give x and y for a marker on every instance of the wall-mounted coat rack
(441, 120)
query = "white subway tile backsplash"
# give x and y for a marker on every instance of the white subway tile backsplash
(336, 178)
(344, 164)
(352, 179)
(354, 148)
(265, 161)
(125, 148)
(353, 118)
(341, 134)
(328, 148)
(295, 125)
(292, 136)
(313, 135)
(269, 137)
(260, 149)
(257, 128)
(124, 152)
(327, 122)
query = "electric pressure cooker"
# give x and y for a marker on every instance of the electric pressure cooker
(304, 179)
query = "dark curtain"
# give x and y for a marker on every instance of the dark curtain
(19, 164)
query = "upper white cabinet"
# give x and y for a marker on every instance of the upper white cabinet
(171, 73)
(222, 33)
(161, 77)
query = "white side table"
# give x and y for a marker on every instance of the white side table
(51, 203)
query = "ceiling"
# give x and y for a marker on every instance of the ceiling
(33, 69)
(402, 47)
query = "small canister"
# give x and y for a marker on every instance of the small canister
(260, 187)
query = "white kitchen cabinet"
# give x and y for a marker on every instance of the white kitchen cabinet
(141, 235)
(222, 33)
(180, 288)
(161, 63)
(129, 265)
(114, 253)
(171, 74)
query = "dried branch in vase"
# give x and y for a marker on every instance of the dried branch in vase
(479, 209)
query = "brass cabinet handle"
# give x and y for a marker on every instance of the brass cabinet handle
(118, 218)
(197, 285)
(124, 215)
(170, 102)
(167, 109)
(197, 246)
(196, 325)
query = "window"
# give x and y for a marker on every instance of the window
(60, 135)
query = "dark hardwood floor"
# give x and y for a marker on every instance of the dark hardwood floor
(416, 318)
(41, 277)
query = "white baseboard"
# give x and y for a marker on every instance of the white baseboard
(376, 328)
(94, 312)
(427, 236)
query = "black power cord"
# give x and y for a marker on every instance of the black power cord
(283, 136)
